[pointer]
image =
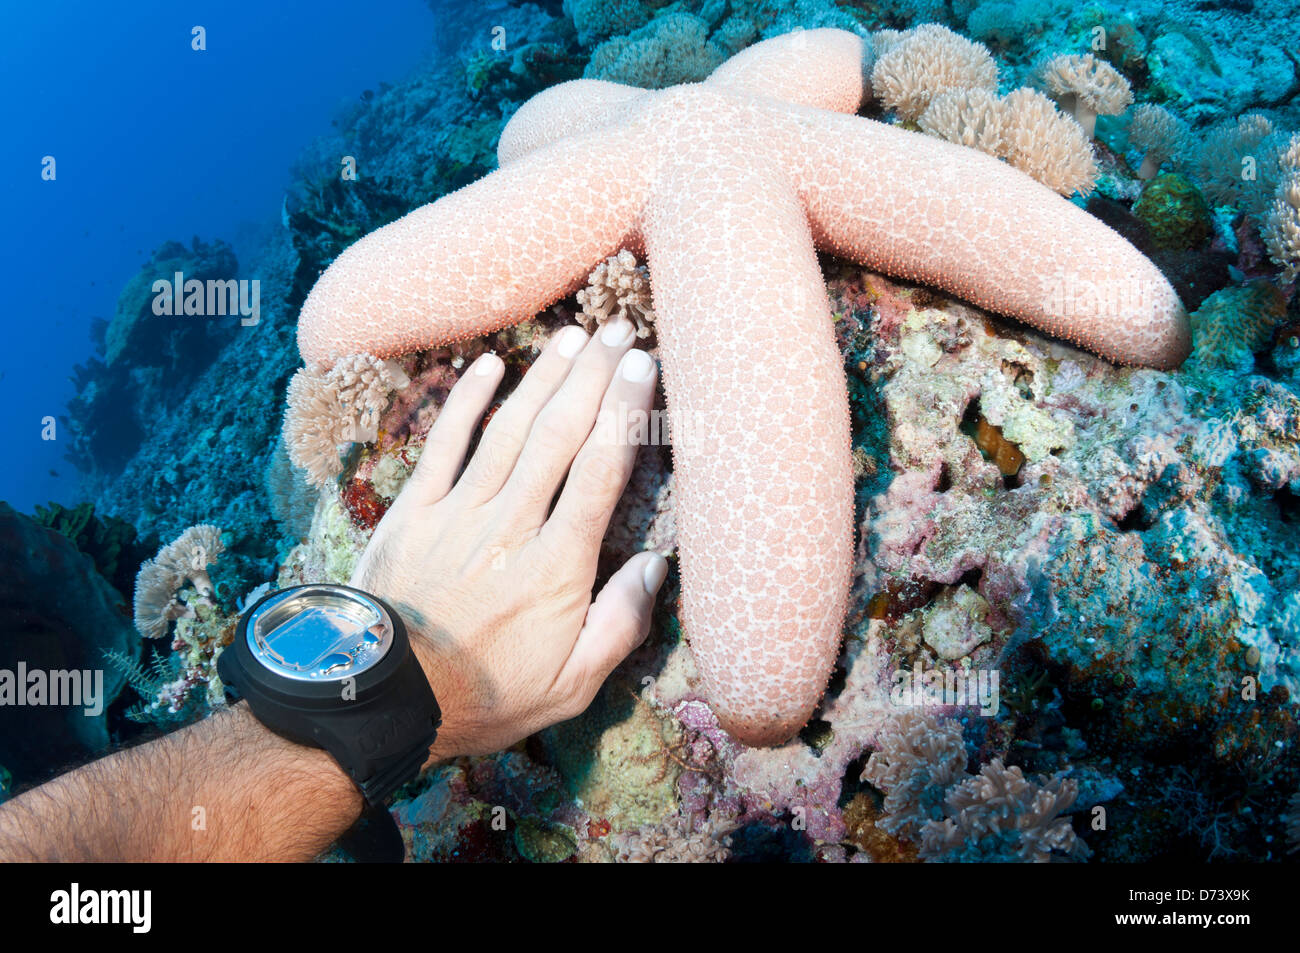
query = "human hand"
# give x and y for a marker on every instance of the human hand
(494, 585)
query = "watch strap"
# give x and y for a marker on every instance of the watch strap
(379, 729)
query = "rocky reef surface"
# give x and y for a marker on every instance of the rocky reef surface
(1119, 548)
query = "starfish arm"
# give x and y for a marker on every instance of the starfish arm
(926, 210)
(760, 431)
(821, 68)
(578, 106)
(491, 254)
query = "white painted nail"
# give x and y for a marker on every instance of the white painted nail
(617, 333)
(654, 574)
(572, 340)
(486, 364)
(636, 366)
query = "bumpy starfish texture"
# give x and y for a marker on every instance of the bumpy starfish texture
(729, 187)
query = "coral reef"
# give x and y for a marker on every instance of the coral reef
(174, 587)
(999, 815)
(675, 841)
(596, 20)
(378, 297)
(1281, 233)
(183, 560)
(149, 358)
(971, 117)
(1119, 546)
(1044, 143)
(1231, 324)
(918, 758)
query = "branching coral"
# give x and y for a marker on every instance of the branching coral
(185, 559)
(972, 117)
(341, 406)
(919, 757)
(927, 61)
(1001, 815)
(1087, 86)
(1158, 134)
(619, 288)
(1046, 144)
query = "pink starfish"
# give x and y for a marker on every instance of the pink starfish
(728, 187)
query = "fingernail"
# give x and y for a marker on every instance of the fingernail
(617, 333)
(486, 364)
(572, 340)
(654, 574)
(636, 366)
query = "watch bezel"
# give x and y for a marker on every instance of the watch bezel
(324, 693)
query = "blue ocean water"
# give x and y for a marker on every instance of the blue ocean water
(152, 141)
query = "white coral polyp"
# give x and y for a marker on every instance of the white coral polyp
(1281, 231)
(927, 61)
(330, 410)
(1158, 133)
(185, 559)
(1087, 86)
(1045, 143)
(968, 117)
(618, 288)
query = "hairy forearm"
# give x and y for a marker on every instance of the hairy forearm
(223, 789)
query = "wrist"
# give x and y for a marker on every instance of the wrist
(335, 668)
(422, 647)
(276, 800)
(298, 766)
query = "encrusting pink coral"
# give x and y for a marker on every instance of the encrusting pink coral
(729, 187)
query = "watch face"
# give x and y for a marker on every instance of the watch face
(319, 633)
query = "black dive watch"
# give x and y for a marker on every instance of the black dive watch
(331, 667)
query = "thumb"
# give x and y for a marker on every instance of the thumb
(617, 622)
